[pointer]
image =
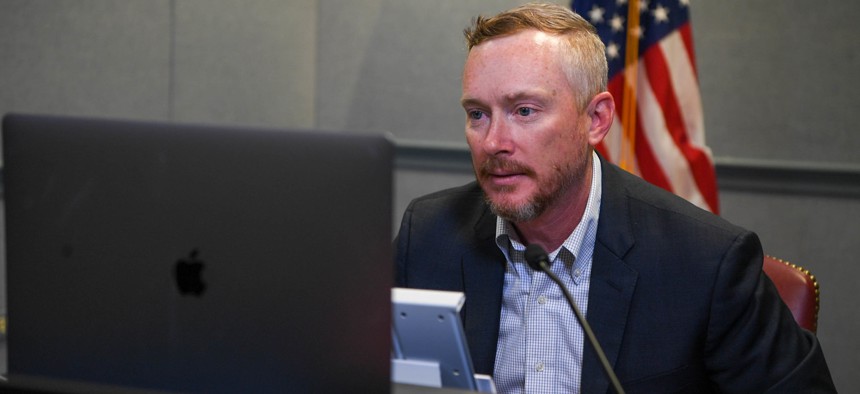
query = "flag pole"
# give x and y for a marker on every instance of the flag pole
(631, 65)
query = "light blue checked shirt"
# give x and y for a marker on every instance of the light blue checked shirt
(540, 342)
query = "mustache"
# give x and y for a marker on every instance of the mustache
(495, 164)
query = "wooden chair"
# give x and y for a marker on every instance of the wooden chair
(798, 289)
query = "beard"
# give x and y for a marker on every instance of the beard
(550, 187)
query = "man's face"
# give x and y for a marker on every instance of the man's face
(527, 137)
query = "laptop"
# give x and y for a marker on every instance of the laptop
(194, 258)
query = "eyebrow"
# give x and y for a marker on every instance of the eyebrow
(470, 102)
(539, 94)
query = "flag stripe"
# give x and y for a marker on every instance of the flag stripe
(612, 143)
(685, 86)
(687, 36)
(649, 165)
(610, 148)
(689, 176)
(669, 156)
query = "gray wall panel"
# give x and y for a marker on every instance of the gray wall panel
(87, 57)
(779, 78)
(248, 62)
(395, 65)
(398, 72)
(410, 183)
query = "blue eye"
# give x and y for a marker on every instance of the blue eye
(524, 111)
(476, 115)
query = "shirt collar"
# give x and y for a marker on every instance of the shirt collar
(579, 243)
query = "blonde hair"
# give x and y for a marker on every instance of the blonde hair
(584, 55)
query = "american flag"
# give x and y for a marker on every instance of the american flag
(658, 132)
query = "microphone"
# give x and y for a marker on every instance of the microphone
(538, 260)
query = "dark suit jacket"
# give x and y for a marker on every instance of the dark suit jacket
(677, 300)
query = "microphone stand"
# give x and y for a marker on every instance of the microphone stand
(541, 265)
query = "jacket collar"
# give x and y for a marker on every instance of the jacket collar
(613, 281)
(483, 280)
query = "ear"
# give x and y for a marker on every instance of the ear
(601, 112)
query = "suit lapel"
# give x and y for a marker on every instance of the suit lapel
(483, 278)
(613, 281)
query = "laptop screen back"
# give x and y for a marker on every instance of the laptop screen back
(196, 258)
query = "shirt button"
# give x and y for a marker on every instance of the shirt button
(577, 272)
(539, 367)
(541, 300)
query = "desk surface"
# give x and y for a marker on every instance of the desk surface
(38, 385)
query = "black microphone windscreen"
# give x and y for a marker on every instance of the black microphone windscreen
(534, 255)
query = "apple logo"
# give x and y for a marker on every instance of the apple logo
(188, 275)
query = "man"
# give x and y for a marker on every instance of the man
(675, 295)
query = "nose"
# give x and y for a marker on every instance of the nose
(498, 139)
